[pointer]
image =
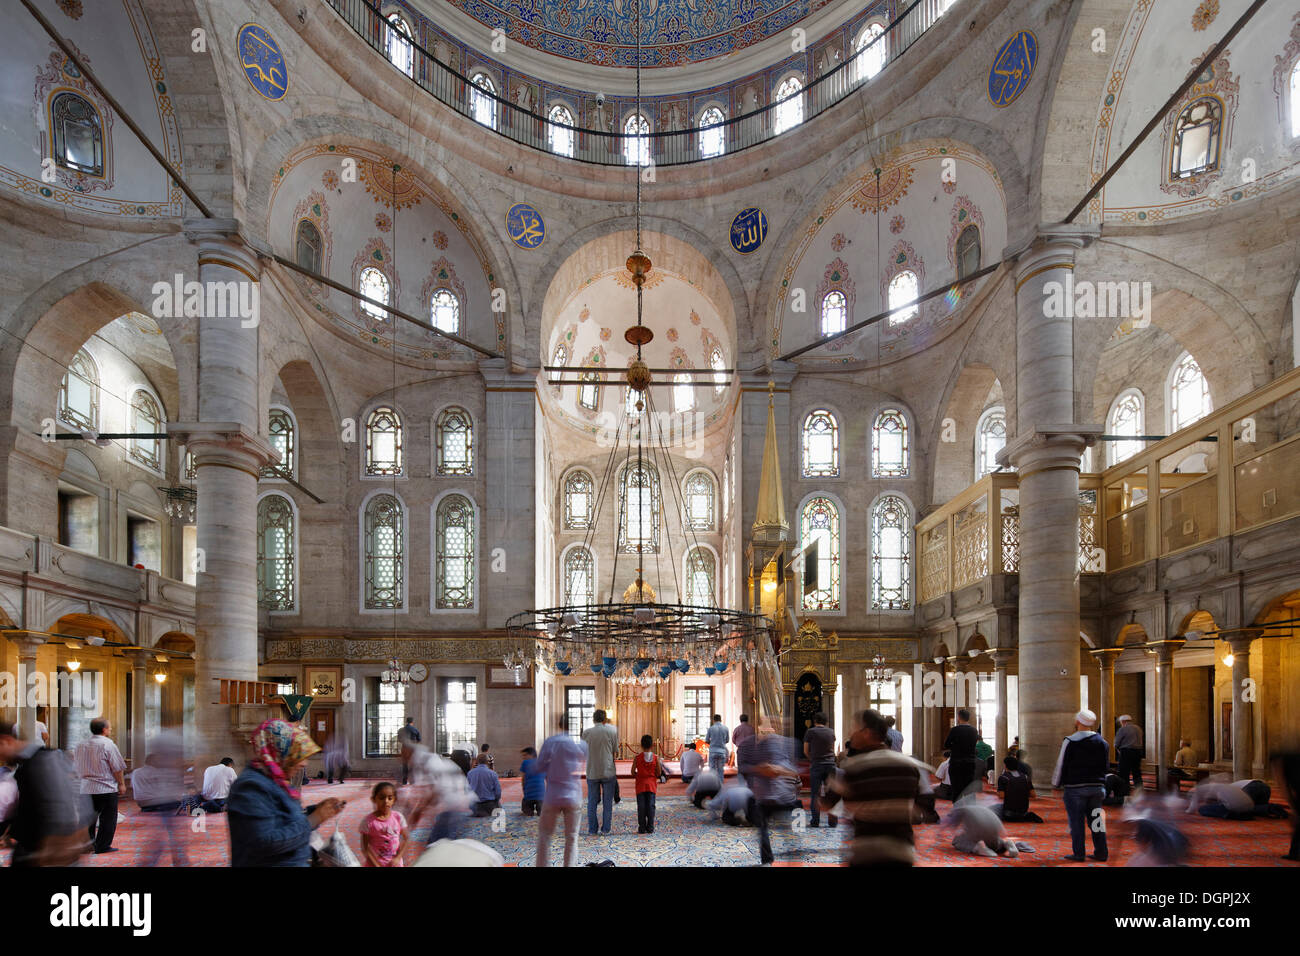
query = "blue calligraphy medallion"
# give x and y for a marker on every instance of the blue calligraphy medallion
(263, 62)
(1012, 68)
(525, 225)
(748, 230)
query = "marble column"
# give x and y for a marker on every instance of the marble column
(1106, 719)
(1243, 706)
(1046, 453)
(229, 451)
(1001, 658)
(1165, 651)
(28, 643)
(509, 452)
(139, 681)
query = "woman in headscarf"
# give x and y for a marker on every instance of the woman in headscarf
(268, 825)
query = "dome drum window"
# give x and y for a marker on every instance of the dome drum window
(78, 134)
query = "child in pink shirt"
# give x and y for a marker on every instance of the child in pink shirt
(383, 833)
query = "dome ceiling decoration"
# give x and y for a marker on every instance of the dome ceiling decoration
(600, 32)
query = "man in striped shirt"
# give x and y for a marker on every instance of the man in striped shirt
(100, 765)
(879, 788)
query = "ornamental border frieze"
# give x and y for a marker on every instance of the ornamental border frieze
(358, 650)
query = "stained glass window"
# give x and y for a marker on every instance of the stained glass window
(1126, 418)
(630, 397)
(275, 553)
(820, 522)
(398, 44)
(889, 449)
(835, 312)
(384, 585)
(903, 288)
(560, 130)
(821, 445)
(444, 311)
(789, 105)
(990, 438)
(455, 432)
(78, 135)
(279, 429)
(1196, 138)
(636, 142)
(308, 245)
(870, 51)
(713, 136)
(639, 501)
(79, 394)
(1189, 394)
(561, 355)
(589, 391)
(373, 284)
(385, 715)
(718, 363)
(968, 251)
(683, 392)
(578, 494)
(482, 102)
(579, 576)
(456, 718)
(699, 501)
(701, 569)
(383, 442)
(145, 418)
(891, 555)
(455, 559)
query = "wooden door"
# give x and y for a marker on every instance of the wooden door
(320, 723)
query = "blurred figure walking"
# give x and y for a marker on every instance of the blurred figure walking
(561, 762)
(48, 823)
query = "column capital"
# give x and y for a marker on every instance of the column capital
(229, 444)
(139, 657)
(26, 640)
(1166, 649)
(1002, 656)
(501, 376)
(1106, 655)
(220, 244)
(781, 373)
(1048, 447)
(1053, 247)
(1241, 639)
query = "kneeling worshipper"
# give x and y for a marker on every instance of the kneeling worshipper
(1221, 799)
(707, 783)
(981, 832)
(733, 805)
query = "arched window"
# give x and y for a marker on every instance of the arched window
(444, 311)
(384, 532)
(383, 442)
(903, 288)
(560, 130)
(146, 419)
(683, 392)
(1295, 98)
(579, 576)
(275, 553)
(891, 554)
(1126, 418)
(373, 284)
(308, 246)
(454, 572)
(699, 501)
(630, 398)
(78, 134)
(455, 442)
(1196, 138)
(968, 251)
(579, 490)
(636, 144)
(889, 450)
(79, 393)
(788, 112)
(701, 572)
(990, 438)
(560, 356)
(397, 44)
(835, 312)
(482, 100)
(820, 522)
(638, 505)
(279, 428)
(718, 363)
(870, 52)
(1189, 394)
(589, 390)
(713, 135)
(821, 445)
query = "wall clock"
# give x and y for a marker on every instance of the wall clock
(419, 673)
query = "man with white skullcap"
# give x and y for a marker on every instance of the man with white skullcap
(1081, 771)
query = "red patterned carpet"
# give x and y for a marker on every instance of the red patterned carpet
(689, 835)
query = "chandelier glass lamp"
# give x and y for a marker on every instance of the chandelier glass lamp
(878, 675)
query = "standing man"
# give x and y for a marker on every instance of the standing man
(1128, 741)
(1081, 770)
(766, 761)
(744, 731)
(602, 744)
(819, 748)
(961, 765)
(879, 789)
(717, 738)
(408, 737)
(46, 825)
(100, 766)
(560, 762)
